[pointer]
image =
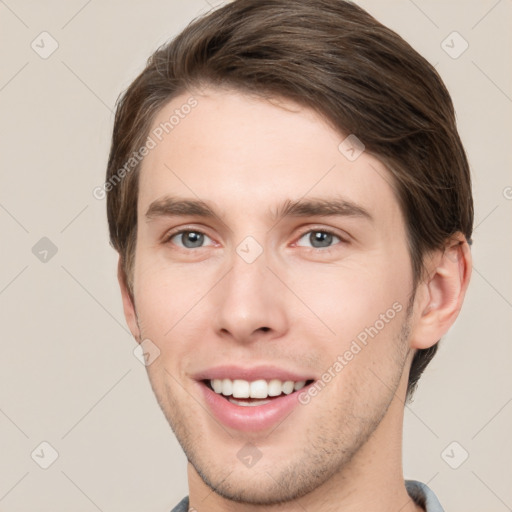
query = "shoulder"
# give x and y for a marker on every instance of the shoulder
(182, 506)
(423, 496)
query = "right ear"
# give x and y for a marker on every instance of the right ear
(128, 305)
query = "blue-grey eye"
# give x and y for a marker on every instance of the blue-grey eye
(190, 239)
(318, 239)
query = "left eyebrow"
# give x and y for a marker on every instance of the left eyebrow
(322, 207)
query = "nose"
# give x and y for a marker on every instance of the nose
(250, 303)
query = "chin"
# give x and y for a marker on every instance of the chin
(261, 489)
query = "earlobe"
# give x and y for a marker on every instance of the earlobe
(442, 294)
(128, 303)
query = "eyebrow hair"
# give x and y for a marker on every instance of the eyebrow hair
(322, 207)
(170, 206)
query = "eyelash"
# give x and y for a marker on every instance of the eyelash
(167, 238)
(342, 240)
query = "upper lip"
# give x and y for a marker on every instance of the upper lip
(250, 374)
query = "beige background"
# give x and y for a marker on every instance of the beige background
(68, 374)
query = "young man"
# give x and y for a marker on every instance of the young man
(291, 204)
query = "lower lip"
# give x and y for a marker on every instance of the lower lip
(250, 418)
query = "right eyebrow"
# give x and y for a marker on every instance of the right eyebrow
(169, 206)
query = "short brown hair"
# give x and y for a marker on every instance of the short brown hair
(333, 57)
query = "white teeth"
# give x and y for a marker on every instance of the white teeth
(260, 388)
(216, 385)
(299, 385)
(227, 387)
(241, 388)
(288, 387)
(248, 404)
(275, 387)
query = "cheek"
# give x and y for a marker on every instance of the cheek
(169, 299)
(349, 297)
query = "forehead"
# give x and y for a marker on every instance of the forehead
(242, 152)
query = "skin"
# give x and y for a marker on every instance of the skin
(296, 306)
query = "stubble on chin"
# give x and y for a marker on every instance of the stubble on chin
(327, 448)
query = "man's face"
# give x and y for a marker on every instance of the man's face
(285, 259)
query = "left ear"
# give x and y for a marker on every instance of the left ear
(439, 298)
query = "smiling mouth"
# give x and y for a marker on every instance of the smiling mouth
(254, 393)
